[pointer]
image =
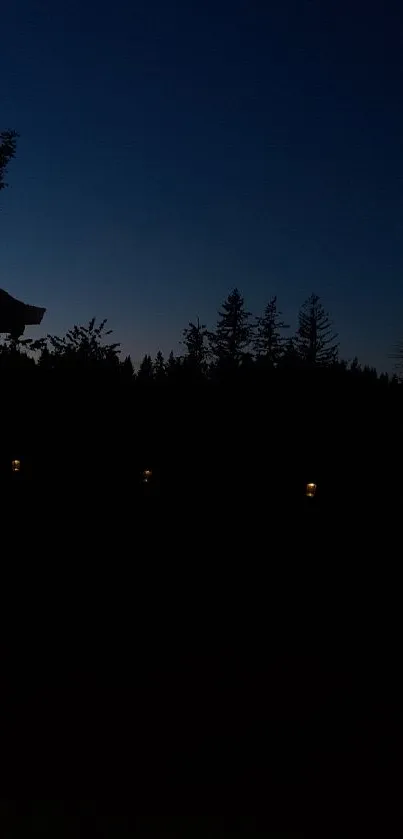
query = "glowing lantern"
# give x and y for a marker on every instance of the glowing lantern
(147, 473)
(16, 465)
(310, 490)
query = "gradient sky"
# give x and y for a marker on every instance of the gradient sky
(172, 150)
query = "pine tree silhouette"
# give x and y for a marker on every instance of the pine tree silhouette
(8, 147)
(195, 338)
(315, 341)
(159, 367)
(173, 366)
(269, 342)
(233, 334)
(146, 369)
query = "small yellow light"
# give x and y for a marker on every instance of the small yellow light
(16, 465)
(310, 490)
(147, 473)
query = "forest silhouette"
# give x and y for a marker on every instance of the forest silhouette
(245, 411)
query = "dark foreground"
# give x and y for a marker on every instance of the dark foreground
(198, 663)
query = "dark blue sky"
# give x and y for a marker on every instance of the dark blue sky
(170, 151)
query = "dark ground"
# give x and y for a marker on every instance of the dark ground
(169, 667)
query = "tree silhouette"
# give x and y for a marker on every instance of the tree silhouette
(397, 356)
(173, 367)
(84, 346)
(315, 341)
(369, 372)
(8, 146)
(146, 369)
(289, 357)
(127, 369)
(45, 358)
(159, 368)
(195, 338)
(233, 334)
(355, 366)
(14, 354)
(269, 343)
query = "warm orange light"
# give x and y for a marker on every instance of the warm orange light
(147, 473)
(310, 490)
(16, 465)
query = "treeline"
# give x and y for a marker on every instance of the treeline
(239, 343)
(244, 408)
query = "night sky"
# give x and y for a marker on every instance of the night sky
(172, 150)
